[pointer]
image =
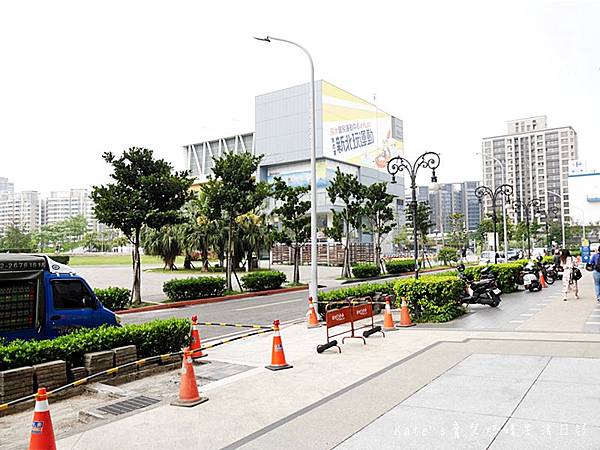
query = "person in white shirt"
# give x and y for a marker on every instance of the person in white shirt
(569, 283)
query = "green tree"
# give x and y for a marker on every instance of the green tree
(145, 192)
(349, 190)
(424, 222)
(379, 214)
(16, 239)
(164, 242)
(292, 213)
(232, 191)
(92, 241)
(197, 229)
(458, 232)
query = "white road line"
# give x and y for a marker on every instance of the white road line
(541, 304)
(527, 315)
(266, 305)
(592, 323)
(535, 309)
(517, 321)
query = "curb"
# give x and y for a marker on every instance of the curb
(203, 301)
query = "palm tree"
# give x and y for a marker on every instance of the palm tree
(250, 234)
(164, 242)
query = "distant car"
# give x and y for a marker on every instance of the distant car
(513, 255)
(487, 257)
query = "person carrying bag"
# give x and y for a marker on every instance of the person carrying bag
(594, 267)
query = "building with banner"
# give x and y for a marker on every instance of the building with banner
(352, 134)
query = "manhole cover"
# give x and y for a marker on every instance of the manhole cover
(128, 405)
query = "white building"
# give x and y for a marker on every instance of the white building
(6, 186)
(534, 160)
(584, 188)
(63, 205)
(20, 209)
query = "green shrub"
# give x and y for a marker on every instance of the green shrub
(263, 280)
(447, 254)
(61, 259)
(431, 299)
(360, 290)
(506, 274)
(151, 338)
(394, 266)
(192, 288)
(114, 298)
(365, 270)
(547, 260)
(575, 253)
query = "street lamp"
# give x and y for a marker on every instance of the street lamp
(313, 288)
(531, 205)
(428, 160)
(551, 211)
(562, 216)
(504, 191)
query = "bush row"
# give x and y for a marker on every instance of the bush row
(152, 338)
(365, 270)
(394, 266)
(114, 298)
(264, 280)
(506, 274)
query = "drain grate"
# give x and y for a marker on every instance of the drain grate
(128, 405)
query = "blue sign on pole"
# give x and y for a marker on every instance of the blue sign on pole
(585, 254)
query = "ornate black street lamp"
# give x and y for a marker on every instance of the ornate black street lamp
(554, 212)
(428, 160)
(502, 191)
(532, 206)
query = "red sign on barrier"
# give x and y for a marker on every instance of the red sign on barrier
(360, 312)
(338, 316)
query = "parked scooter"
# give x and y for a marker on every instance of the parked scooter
(529, 276)
(550, 274)
(483, 292)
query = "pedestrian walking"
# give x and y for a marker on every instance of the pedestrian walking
(569, 282)
(595, 267)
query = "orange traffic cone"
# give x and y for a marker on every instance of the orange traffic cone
(188, 389)
(405, 315)
(543, 281)
(311, 315)
(388, 320)
(42, 433)
(196, 344)
(277, 354)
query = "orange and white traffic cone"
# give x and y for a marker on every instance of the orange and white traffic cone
(196, 344)
(277, 354)
(543, 280)
(388, 319)
(311, 315)
(188, 389)
(42, 433)
(405, 315)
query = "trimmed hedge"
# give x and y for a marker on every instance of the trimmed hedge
(365, 270)
(400, 265)
(506, 274)
(192, 288)
(114, 298)
(152, 338)
(431, 299)
(264, 280)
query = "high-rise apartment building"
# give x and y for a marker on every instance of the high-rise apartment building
(62, 205)
(20, 209)
(534, 160)
(455, 198)
(6, 186)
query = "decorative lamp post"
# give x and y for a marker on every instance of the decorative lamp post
(428, 160)
(504, 191)
(530, 208)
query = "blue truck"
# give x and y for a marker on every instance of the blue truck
(42, 299)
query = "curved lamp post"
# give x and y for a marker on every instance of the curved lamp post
(504, 191)
(314, 285)
(532, 206)
(552, 211)
(428, 160)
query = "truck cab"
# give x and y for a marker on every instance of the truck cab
(42, 299)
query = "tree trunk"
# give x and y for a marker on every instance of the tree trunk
(137, 271)
(204, 258)
(229, 256)
(248, 260)
(296, 276)
(187, 263)
(346, 269)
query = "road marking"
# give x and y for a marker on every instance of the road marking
(517, 321)
(535, 309)
(592, 323)
(527, 315)
(266, 305)
(541, 304)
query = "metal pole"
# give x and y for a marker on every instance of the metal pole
(415, 237)
(528, 235)
(314, 279)
(562, 217)
(494, 218)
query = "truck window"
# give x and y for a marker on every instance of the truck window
(71, 294)
(17, 304)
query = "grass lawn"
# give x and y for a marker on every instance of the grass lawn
(115, 260)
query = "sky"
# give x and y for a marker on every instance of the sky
(81, 78)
